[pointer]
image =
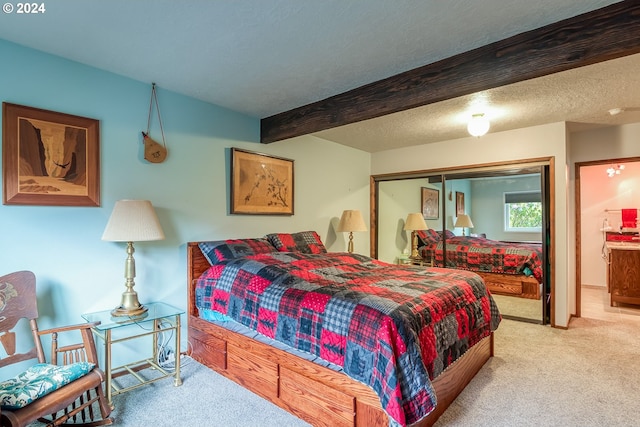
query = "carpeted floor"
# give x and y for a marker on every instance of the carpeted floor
(204, 399)
(586, 376)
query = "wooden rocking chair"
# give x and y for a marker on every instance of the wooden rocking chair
(79, 401)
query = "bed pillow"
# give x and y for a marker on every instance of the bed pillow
(307, 242)
(449, 234)
(224, 250)
(427, 237)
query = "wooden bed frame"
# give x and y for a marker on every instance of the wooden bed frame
(311, 392)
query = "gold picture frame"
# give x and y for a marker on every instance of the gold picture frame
(49, 158)
(261, 184)
(430, 202)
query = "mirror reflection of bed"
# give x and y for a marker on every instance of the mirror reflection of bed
(491, 198)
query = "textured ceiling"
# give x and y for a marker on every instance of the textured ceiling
(269, 56)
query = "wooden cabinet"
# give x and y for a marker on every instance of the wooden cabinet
(624, 275)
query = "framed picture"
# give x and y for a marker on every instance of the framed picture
(459, 203)
(430, 202)
(261, 184)
(49, 158)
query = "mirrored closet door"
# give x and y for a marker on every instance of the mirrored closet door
(491, 220)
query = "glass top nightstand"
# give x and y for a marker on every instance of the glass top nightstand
(164, 317)
(156, 310)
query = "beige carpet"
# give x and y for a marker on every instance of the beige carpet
(588, 375)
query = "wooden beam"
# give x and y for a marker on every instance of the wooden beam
(600, 35)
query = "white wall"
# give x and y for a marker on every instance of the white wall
(77, 272)
(535, 142)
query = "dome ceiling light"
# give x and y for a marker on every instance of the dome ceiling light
(478, 125)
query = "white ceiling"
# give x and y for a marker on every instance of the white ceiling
(263, 57)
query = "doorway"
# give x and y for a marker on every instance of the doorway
(599, 199)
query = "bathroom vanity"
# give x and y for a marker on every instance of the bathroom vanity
(623, 275)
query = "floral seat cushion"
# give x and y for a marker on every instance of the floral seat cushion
(38, 381)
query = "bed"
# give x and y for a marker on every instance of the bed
(508, 268)
(317, 379)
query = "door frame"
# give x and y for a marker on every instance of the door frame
(578, 217)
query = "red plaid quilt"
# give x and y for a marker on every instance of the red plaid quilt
(491, 256)
(392, 328)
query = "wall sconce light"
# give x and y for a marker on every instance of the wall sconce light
(478, 125)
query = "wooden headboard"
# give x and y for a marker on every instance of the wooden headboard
(196, 265)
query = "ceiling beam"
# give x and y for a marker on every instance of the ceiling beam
(600, 35)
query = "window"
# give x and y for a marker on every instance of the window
(523, 211)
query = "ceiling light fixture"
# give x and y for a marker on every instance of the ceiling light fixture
(614, 170)
(478, 125)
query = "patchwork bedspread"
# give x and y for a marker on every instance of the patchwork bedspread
(492, 256)
(392, 328)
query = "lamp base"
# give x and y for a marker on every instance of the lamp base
(414, 246)
(121, 311)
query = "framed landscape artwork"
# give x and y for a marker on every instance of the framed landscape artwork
(49, 158)
(430, 202)
(261, 184)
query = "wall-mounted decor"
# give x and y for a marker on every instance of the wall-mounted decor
(49, 158)
(261, 184)
(153, 151)
(459, 203)
(430, 202)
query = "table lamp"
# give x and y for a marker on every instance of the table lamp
(351, 221)
(463, 221)
(132, 221)
(415, 221)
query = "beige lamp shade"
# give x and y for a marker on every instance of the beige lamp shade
(351, 220)
(463, 220)
(133, 221)
(415, 221)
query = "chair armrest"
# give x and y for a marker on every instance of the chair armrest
(74, 352)
(77, 327)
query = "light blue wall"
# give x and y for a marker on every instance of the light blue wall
(78, 272)
(461, 186)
